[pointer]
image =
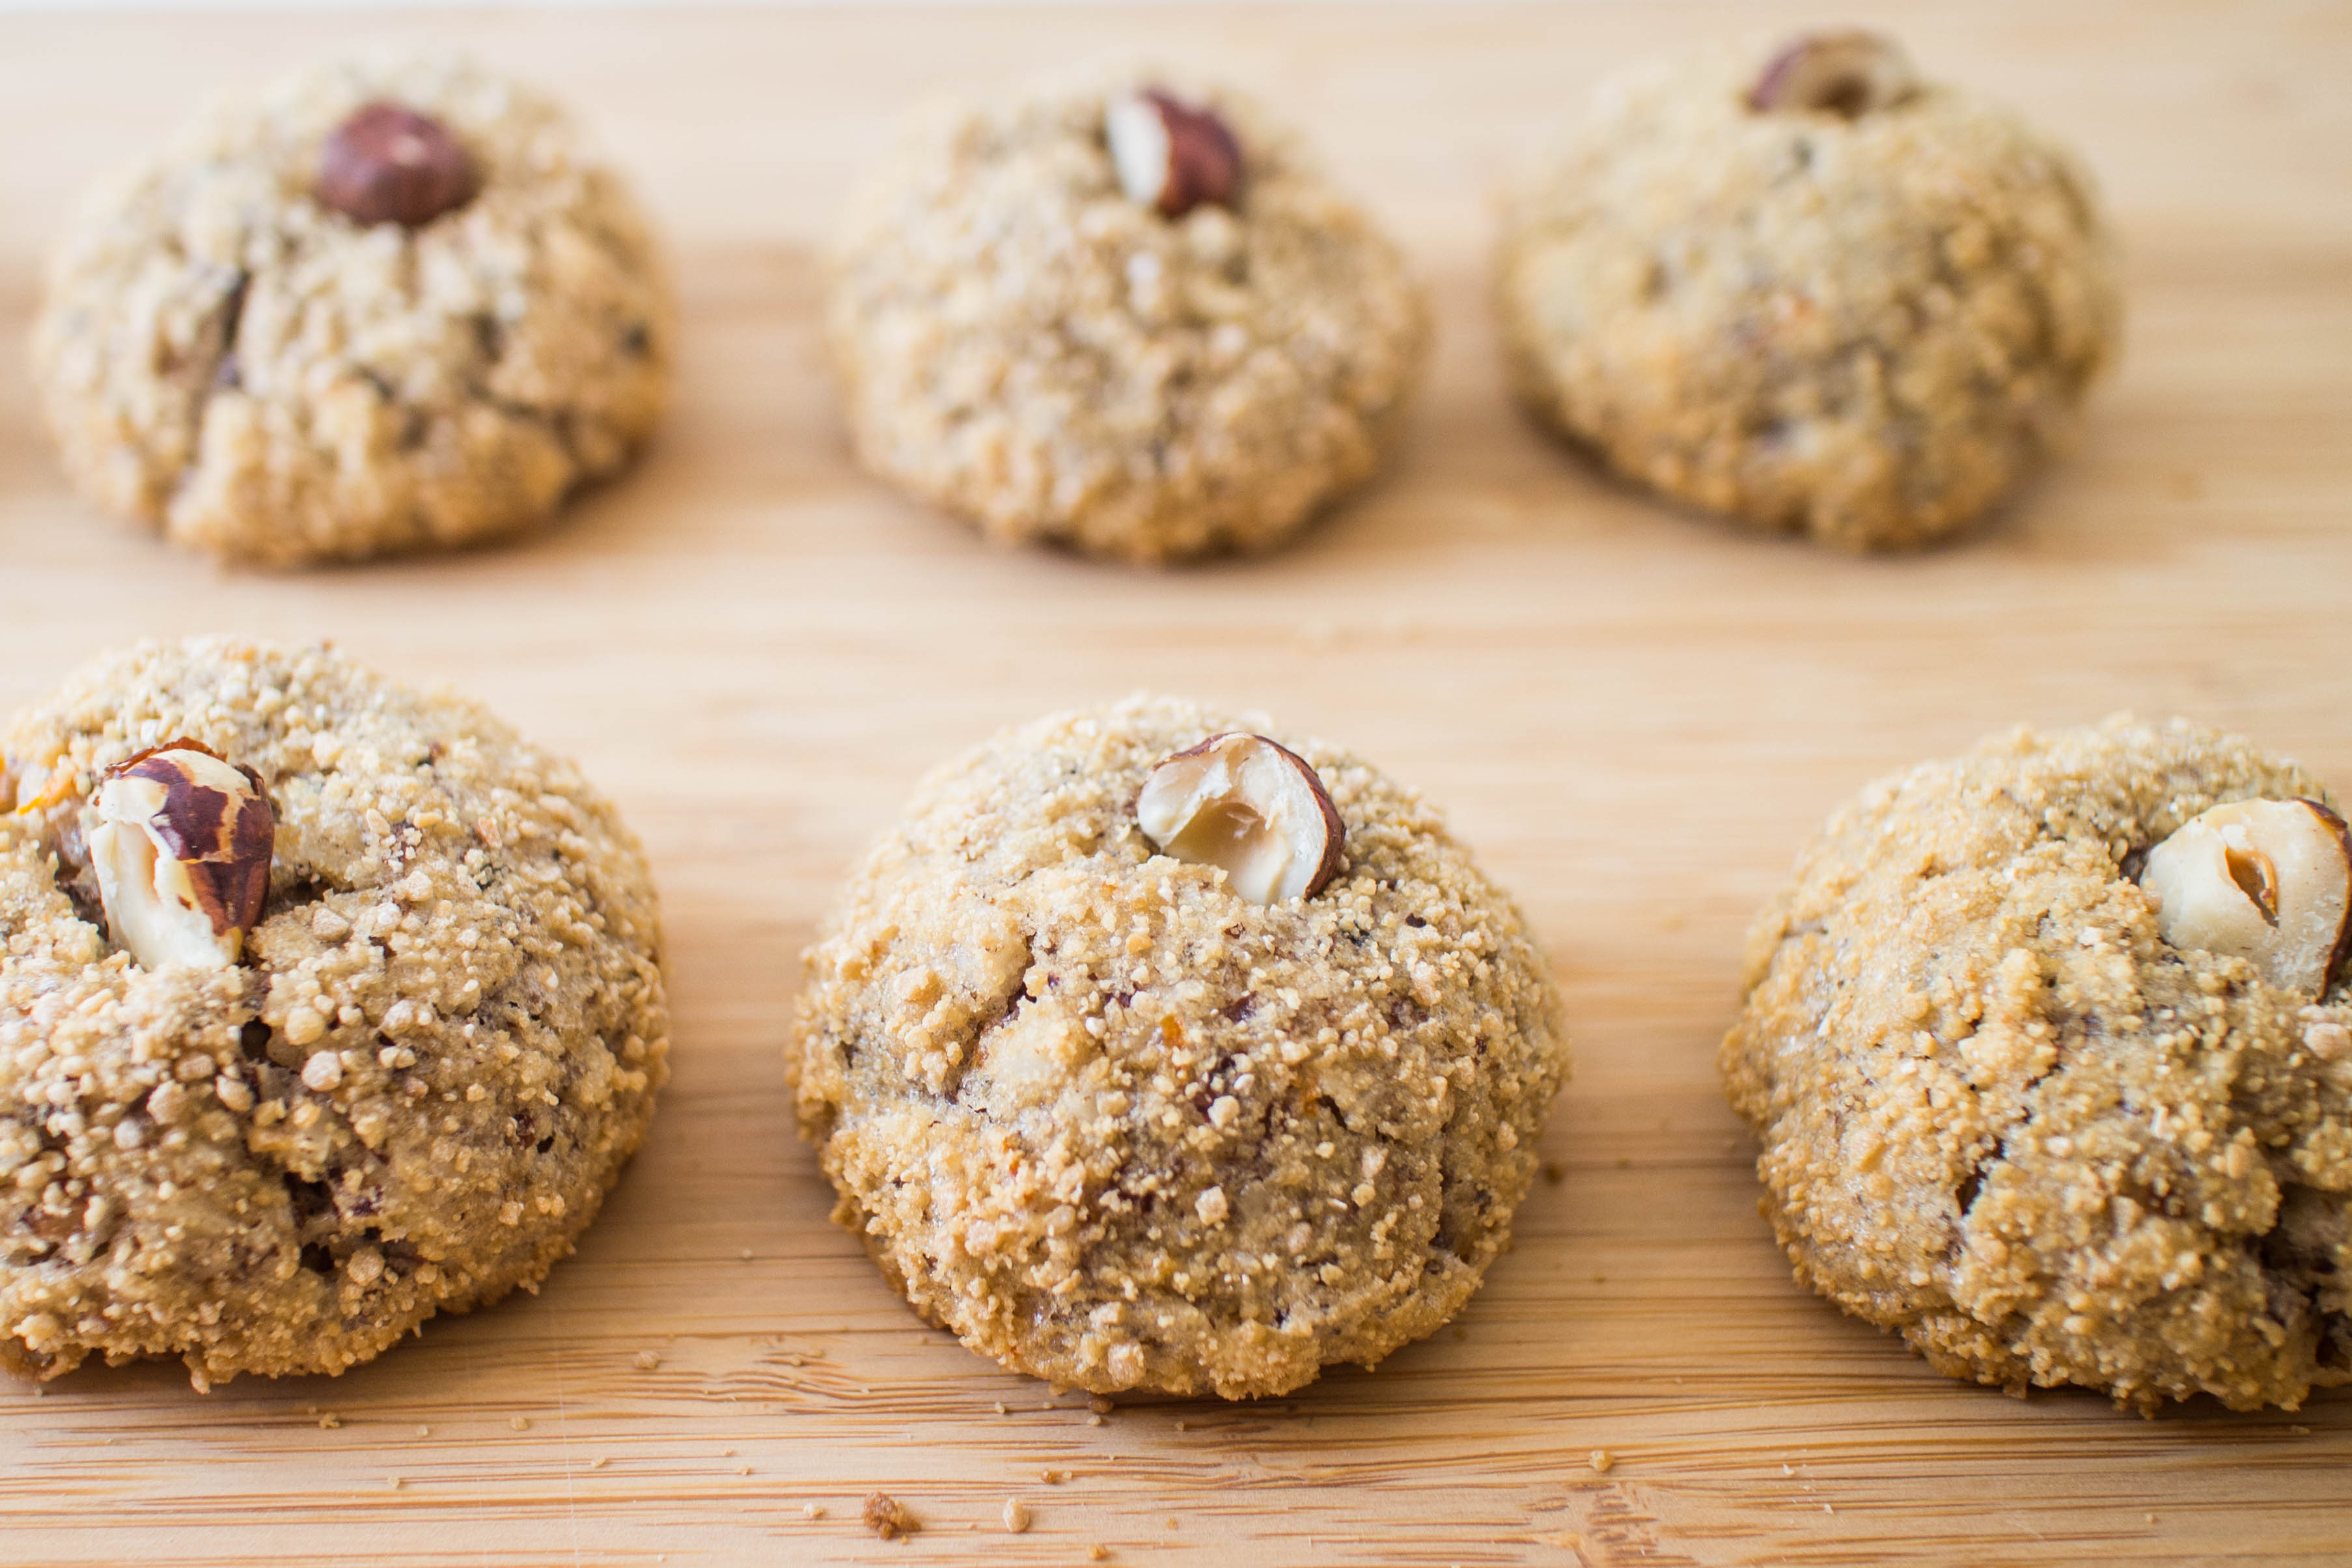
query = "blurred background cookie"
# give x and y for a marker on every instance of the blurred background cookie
(326, 1005)
(1815, 292)
(2051, 1052)
(1126, 314)
(386, 305)
(1147, 1054)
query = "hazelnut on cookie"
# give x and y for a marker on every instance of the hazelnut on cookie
(325, 1006)
(2049, 1048)
(1125, 315)
(1813, 291)
(386, 305)
(1150, 1051)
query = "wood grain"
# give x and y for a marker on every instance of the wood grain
(1633, 713)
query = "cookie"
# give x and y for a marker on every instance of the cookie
(1206, 1119)
(325, 1007)
(1814, 293)
(1181, 344)
(387, 305)
(2049, 1048)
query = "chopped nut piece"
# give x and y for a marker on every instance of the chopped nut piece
(886, 1517)
(1255, 808)
(181, 842)
(2267, 881)
(1169, 156)
(1849, 74)
(1016, 1515)
(387, 164)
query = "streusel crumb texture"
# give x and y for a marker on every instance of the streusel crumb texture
(1120, 1128)
(264, 378)
(410, 1097)
(1023, 345)
(1867, 330)
(2004, 1118)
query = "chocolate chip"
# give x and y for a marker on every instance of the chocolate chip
(387, 164)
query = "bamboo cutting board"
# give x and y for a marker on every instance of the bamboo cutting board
(1633, 714)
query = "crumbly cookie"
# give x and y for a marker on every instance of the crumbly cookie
(1120, 1127)
(2013, 1111)
(228, 357)
(410, 1096)
(1026, 341)
(1863, 311)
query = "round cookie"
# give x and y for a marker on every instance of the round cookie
(1024, 342)
(2014, 1110)
(411, 1094)
(1815, 294)
(1119, 1127)
(266, 377)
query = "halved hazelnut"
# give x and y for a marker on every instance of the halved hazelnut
(1849, 74)
(1170, 155)
(389, 164)
(1250, 806)
(181, 842)
(2268, 881)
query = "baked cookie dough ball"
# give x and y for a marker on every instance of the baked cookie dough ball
(1131, 320)
(2051, 1052)
(388, 305)
(1815, 294)
(1147, 1054)
(325, 1007)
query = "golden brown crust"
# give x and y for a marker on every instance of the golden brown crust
(410, 1098)
(1119, 1127)
(2004, 1118)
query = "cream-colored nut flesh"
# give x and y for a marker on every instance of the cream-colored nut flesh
(1255, 808)
(2267, 881)
(1851, 73)
(181, 842)
(1137, 133)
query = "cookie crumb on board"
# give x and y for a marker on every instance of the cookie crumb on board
(1016, 1515)
(886, 1517)
(1603, 1460)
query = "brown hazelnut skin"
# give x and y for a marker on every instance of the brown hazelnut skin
(1205, 162)
(389, 164)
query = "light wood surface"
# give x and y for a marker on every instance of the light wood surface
(1633, 714)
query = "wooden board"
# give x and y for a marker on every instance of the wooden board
(1635, 715)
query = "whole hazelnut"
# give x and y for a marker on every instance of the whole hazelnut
(1170, 155)
(2267, 881)
(1849, 74)
(1247, 805)
(181, 842)
(389, 164)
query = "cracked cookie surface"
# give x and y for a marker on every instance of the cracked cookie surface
(1022, 346)
(413, 1095)
(262, 378)
(2004, 1118)
(1119, 1127)
(1866, 330)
